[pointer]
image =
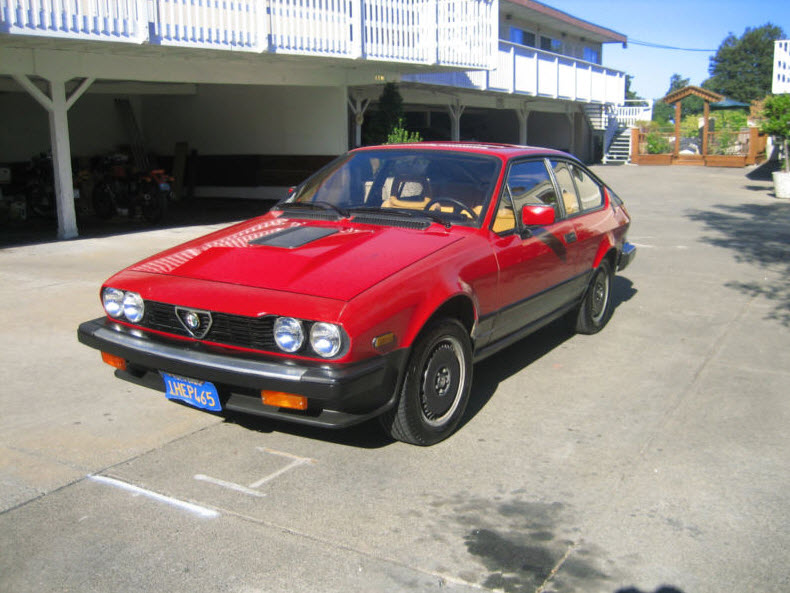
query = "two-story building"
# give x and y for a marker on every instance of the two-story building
(265, 91)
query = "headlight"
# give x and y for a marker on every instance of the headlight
(326, 339)
(288, 334)
(112, 299)
(133, 307)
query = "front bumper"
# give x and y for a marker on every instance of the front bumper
(627, 255)
(338, 395)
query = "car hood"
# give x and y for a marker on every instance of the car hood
(336, 260)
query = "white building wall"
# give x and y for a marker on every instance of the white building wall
(93, 124)
(236, 119)
(781, 77)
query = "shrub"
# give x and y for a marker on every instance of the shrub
(657, 144)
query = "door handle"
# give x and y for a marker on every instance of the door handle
(570, 237)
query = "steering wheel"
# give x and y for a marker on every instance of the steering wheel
(458, 207)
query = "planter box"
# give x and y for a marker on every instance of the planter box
(653, 159)
(782, 184)
(725, 160)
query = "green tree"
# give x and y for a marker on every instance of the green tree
(629, 94)
(664, 113)
(776, 111)
(743, 66)
(386, 117)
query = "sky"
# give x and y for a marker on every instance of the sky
(699, 24)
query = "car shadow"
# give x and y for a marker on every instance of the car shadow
(488, 374)
(515, 358)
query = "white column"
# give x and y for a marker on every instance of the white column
(456, 110)
(358, 107)
(57, 106)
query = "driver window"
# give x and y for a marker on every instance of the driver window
(529, 183)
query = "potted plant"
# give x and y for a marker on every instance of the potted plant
(776, 112)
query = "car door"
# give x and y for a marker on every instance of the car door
(585, 209)
(534, 264)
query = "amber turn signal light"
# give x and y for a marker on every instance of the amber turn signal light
(114, 361)
(280, 399)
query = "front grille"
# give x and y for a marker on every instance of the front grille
(235, 330)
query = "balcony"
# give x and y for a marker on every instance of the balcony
(528, 71)
(452, 33)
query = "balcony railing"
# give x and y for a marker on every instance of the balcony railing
(529, 71)
(459, 33)
(632, 111)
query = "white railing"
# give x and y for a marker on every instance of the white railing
(632, 111)
(118, 20)
(529, 71)
(459, 33)
(781, 77)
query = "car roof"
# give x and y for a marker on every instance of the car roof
(507, 151)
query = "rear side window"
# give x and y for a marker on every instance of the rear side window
(564, 177)
(590, 194)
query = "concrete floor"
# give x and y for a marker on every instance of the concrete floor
(652, 456)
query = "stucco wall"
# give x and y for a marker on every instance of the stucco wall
(235, 119)
(93, 125)
(219, 119)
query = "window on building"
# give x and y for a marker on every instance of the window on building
(591, 55)
(522, 37)
(550, 44)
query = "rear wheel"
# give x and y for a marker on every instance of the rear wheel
(436, 386)
(596, 308)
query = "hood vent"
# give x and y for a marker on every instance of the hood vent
(294, 237)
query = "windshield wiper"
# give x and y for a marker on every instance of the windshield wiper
(317, 205)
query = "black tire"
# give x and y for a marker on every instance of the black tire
(436, 386)
(153, 205)
(103, 206)
(596, 308)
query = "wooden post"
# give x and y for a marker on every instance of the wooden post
(677, 129)
(635, 145)
(706, 117)
(754, 134)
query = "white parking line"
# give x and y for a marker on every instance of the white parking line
(230, 485)
(297, 461)
(181, 504)
(250, 490)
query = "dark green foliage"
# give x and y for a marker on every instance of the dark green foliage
(742, 67)
(386, 116)
(776, 111)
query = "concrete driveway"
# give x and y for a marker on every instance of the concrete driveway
(652, 456)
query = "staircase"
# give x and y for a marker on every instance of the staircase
(133, 133)
(619, 151)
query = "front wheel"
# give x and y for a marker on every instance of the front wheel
(436, 386)
(596, 308)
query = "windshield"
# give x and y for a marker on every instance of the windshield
(450, 187)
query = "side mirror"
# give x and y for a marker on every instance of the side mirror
(537, 215)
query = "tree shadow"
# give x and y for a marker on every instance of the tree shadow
(758, 234)
(662, 589)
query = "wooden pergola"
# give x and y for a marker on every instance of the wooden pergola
(675, 98)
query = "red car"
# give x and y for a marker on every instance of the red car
(372, 289)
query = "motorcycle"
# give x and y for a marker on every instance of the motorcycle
(123, 191)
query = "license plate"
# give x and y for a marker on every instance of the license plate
(200, 394)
